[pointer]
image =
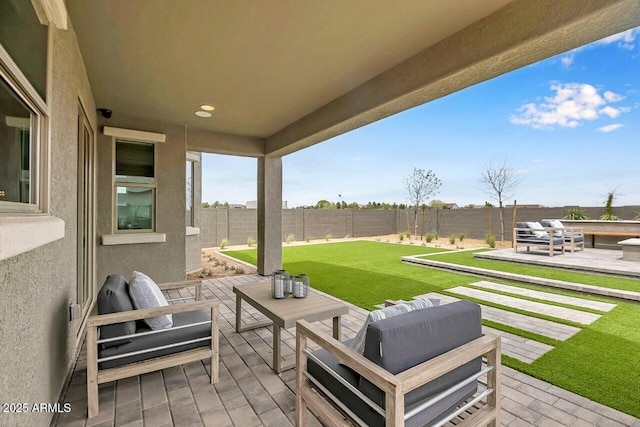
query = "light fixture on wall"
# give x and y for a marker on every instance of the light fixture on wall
(201, 113)
(207, 107)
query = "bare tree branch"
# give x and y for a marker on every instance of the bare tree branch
(500, 181)
(420, 186)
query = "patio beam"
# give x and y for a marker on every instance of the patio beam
(519, 34)
(220, 143)
(269, 214)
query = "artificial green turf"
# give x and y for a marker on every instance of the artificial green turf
(602, 362)
(466, 258)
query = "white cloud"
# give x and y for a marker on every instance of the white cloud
(612, 97)
(610, 128)
(610, 111)
(567, 60)
(572, 104)
(624, 39)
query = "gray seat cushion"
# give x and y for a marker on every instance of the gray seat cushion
(114, 298)
(171, 336)
(436, 330)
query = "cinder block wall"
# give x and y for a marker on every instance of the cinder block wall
(238, 224)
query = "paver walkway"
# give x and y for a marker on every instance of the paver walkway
(250, 394)
(546, 296)
(518, 347)
(547, 328)
(531, 306)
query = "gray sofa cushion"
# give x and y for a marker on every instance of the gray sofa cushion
(523, 233)
(405, 341)
(171, 336)
(447, 327)
(114, 298)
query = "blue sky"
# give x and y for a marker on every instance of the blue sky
(569, 125)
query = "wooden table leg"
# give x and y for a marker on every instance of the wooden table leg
(337, 328)
(238, 313)
(276, 348)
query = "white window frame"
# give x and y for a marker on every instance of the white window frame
(193, 230)
(24, 228)
(39, 136)
(193, 193)
(125, 237)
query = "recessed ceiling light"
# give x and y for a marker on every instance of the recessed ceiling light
(203, 114)
(206, 107)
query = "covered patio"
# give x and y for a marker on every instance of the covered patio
(112, 78)
(249, 393)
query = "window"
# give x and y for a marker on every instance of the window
(20, 154)
(190, 181)
(135, 186)
(24, 38)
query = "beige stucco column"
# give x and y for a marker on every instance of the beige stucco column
(269, 214)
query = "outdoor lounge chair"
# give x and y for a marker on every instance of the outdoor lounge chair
(534, 234)
(573, 236)
(418, 368)
(119, 345)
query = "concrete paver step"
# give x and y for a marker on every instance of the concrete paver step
(534, 307)
(578, 302)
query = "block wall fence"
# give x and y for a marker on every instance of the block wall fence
(237, 225)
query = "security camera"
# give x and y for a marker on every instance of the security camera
(106, 113)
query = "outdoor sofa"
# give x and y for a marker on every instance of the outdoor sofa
(533, 234)
(120, 345)
(573, 236)
(417, 369)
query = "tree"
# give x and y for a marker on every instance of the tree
(420, 185)
(323, 204)
(438, 204)
(500, 181)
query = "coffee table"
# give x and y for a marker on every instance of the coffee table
(284, 313)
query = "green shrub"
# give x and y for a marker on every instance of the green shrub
(430, 237)
(452, 239)
(251, 241)
(224, 243)
(461, 236)
(491, 241)
(291, 238)
(308, 238)
(240, 270)
(608, 215)
(401, 236)
(576, 214)
(328, 236)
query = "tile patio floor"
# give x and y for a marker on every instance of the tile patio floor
(250, 394)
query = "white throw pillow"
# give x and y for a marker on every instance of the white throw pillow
(145, 293)
(535, 226)
(394, 310)
(556, 223)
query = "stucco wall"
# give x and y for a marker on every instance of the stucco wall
(164, 262)
(38, 341)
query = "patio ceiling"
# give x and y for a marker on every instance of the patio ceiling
(284, 75)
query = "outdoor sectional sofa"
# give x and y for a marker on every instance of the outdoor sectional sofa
(538, 237)
(418, 368)
(119, 345)
(573, 236)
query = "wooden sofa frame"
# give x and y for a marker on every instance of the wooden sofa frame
(550, 246)
(96, 376)
(394, 386)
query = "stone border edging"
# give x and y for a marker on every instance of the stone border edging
(615, 293)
